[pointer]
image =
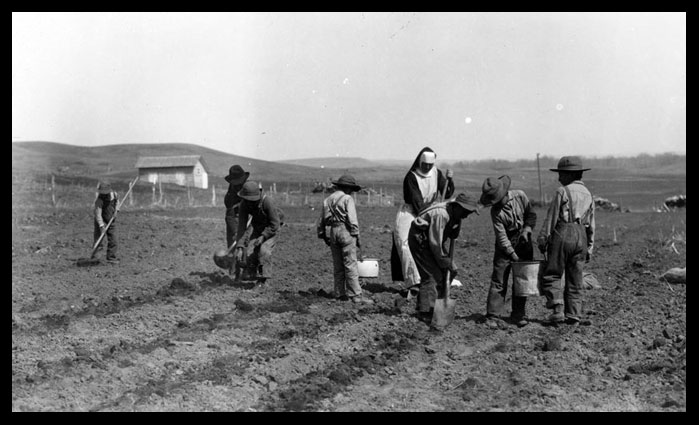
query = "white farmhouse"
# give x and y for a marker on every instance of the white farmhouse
(184, 170)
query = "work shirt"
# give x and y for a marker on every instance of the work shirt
(510, 219)
(420, 192)
(579, 209)
(105, 207)
(265, 218)
(438, 226)
(338, 208)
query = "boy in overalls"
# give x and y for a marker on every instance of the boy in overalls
(567, 238)
(339, 228)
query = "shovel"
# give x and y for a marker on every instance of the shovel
(224, 253)
(82, 262)
(445, 308)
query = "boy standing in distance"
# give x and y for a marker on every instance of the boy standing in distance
(567, 238)
(339, 228)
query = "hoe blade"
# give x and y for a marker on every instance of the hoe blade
(86, 262)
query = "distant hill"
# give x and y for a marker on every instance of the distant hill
(118, 161)
(332, 162)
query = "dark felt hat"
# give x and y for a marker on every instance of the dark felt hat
(494, 190)
(569, 163)
(236, 175)
(347, 181)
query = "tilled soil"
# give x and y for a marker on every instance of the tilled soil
(166, 330)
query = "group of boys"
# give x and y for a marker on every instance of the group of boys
(566, 239)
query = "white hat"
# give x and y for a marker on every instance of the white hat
(428, 157)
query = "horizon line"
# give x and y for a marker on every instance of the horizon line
(627, 155)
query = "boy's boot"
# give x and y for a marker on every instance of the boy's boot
(557, 316)
(518, 316)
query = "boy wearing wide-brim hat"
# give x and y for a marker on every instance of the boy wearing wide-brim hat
(513, 220)
(235, 178)
(338, 226)
(426, 239)
(567, 239)
(104, 209)
(254, 248)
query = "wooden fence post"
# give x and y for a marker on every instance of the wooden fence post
(53, 190)
(160, 188)
(213, 195)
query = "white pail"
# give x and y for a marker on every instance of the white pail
(369, 267)
(526, 277)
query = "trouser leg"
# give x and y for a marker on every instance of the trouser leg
(519, 307)
(572, 293)
(96, 235)
(498, 284)
(349, 263)
(338, 270)
(551, 284)
(231, 227)
(111, 241)
(264, 256)
(430, 273)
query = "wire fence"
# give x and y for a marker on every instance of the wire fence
(53, 192)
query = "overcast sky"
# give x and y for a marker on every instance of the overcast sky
(278, 86)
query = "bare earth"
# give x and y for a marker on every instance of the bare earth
(166, 330)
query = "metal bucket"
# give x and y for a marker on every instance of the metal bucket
(526, 277)
(369, 267)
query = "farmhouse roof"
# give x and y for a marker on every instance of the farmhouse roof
(170, 161)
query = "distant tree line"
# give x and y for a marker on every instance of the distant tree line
(638, 161)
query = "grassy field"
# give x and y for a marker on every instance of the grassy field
(638, 183)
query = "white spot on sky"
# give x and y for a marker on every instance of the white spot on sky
(345, 81)
(559, 107)
(313, 91)
(468, 120)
